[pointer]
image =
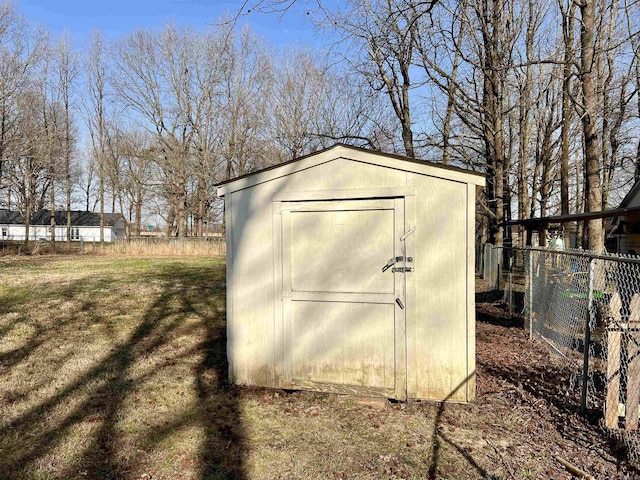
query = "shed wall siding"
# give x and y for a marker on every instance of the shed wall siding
(438, 350)
(343, 174)
(251, 285)
(437, 337)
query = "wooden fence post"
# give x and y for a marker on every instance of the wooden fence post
(530, 294)
(632, 402)
(614, 333)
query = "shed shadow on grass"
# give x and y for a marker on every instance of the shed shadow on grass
(97, 399)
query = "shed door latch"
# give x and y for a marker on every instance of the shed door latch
(402, 269)
(395, 260)
(392, 261)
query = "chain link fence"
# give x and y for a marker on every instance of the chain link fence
(586, 308)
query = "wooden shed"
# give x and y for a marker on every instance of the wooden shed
(352, 271)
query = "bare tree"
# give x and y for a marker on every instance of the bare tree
(95, 111)
(299, 85)
(588, 112)
(20, 52)
(246, 74)
(384, 32)
(66, 69)
(568, 37)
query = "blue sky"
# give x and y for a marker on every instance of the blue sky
(118, 17)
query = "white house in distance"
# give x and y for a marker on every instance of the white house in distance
(85, 226)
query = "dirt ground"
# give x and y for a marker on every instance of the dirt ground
(528, 390)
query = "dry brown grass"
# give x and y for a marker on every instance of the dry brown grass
(162, 246)
(127, 247)
(114, 368)
(108, 365)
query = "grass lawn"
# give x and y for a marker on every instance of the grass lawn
(115, 368)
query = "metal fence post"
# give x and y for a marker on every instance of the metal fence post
(511, 264)
(498, 255)
(587, 337)
(530, 302)
(483, 268)
(487, 270)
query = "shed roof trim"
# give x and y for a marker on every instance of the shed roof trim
(350, 153)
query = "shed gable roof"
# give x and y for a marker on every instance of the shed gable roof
(351, 153)
(43, 217)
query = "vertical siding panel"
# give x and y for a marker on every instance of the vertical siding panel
(440, 344)
(231, 290)
(287, 322)
(471, 292)
(413, 220)
(253, 285)
(278, 331)
(400, 327)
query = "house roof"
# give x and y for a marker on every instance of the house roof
(573, 217)
(623, 210)
(352, 153)
(630, 195)
(43, 217)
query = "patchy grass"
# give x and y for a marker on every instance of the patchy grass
(109, 368)
(115, 368)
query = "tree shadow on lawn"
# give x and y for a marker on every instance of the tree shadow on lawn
(98, 398)
(439, 437)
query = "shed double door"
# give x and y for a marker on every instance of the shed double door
(343, 316)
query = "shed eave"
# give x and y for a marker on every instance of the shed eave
(354, 154)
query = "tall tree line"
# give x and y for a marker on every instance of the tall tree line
(540, 95)
(147, 124)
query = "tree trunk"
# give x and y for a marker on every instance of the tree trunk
(568, 34)
(52, 199)
(593, 192)
(493, 117)
(523, 153)
(451, 91)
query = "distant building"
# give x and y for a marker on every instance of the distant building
(85, 226)
(625, 233)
